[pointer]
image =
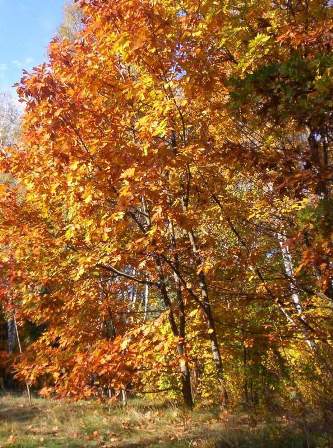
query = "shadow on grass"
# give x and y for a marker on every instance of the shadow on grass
(19, 414)
(49, 444)
(142, 406)
(274, 437)
(211, 439)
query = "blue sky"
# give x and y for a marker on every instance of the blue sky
(26, 27)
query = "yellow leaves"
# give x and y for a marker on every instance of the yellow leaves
(262, 209)
(143, 123)
(261, 288)
(118, 216)
(257, 49)
(88, 198)
(29, 185)
(157, 214)
(159, 128)
(74, 165)
(79, 273)
(194, 313)
(121, 45)
(143, 88)
(206, 266)
(145, 148)
(153, 230)
(251, 276)
(105, 235)
(70, 232)
(129, 173)
(124, 344)
(126, 192)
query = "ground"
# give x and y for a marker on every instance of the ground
(142, 423)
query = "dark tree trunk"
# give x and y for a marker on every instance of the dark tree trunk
(185, 377)
(180, 334)
(11, 335)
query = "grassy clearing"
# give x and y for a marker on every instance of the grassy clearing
(60, 424)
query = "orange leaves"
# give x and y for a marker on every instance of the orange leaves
(142, 220)
(320, 35)
(3, 189)
(139, 40)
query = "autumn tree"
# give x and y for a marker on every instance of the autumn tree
(171, 220)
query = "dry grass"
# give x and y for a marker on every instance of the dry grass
(142, 423)
(54, 424)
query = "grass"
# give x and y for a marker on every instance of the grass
(142, 423)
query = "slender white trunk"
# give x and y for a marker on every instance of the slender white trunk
(289, 269)
(134, 297)
(20, 349)
(123, 397)
(146, 300)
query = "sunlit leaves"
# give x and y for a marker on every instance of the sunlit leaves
(165, 151)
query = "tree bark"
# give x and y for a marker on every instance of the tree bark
(11, 335)
(180, 334)
(289, 268)
(146, 299)
(207, 309)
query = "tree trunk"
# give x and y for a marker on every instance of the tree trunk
(11, 335)
(207, 309)
(184, 368)
(289, 268)
(320, 164)
(146, 299)
(185, 376)
(180, 334)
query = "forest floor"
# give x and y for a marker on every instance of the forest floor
(142, 423)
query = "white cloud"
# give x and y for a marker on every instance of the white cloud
(17, 63)
(23, 63)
